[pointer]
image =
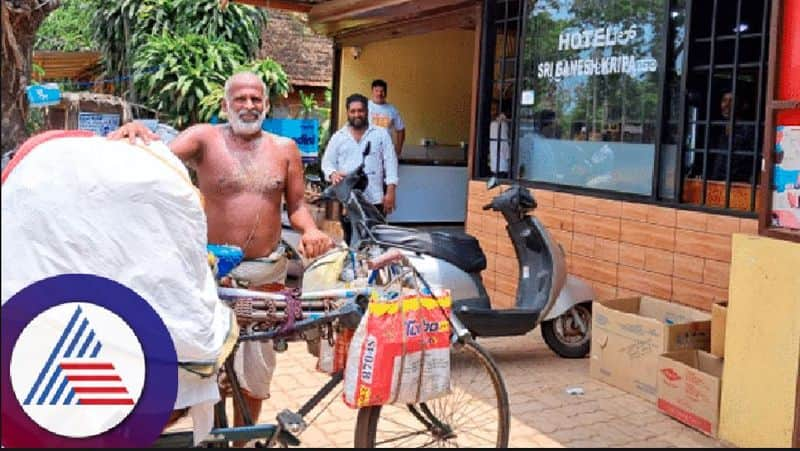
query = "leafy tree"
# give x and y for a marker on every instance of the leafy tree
(124, 26)
(190, 68)
(20, 21)
(68, 28)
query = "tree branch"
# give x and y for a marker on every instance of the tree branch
(11, 39)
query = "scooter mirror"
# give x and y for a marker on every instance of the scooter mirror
(492, 183)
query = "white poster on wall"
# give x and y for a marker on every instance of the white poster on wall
(100, 123)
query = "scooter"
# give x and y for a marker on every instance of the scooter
(546, 294)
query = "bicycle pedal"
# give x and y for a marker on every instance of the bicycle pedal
(292, 422)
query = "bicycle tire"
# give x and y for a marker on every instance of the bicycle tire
(371, 432)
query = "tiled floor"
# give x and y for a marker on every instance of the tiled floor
(542, 413)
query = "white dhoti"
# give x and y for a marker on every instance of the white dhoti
(254, 361)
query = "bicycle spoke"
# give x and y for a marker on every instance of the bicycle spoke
(405, 436)
(425, 445)
(471, 414)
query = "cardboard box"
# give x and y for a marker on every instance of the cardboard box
(689, 388)
(628, 336)
(719, 312)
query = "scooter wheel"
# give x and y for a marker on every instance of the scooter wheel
(564, 336)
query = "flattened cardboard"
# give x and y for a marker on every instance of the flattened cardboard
(719, 312)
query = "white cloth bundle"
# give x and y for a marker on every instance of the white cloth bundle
(128, 213)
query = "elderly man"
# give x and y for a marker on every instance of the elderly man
(243, 173)
(344, 154)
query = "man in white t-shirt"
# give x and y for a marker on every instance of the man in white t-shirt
(384, 114)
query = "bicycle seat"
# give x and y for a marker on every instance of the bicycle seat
(227, 257)
(461, 250)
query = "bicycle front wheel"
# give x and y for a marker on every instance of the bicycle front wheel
(474, 414)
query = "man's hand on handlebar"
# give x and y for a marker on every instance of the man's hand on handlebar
(133, 130)
(314, 243)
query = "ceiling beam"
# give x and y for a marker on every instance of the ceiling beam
(341, 26)
(386, 10)
(379, 12)
(334, 10)
(452, 18)
(286, 5)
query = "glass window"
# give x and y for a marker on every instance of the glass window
(590, 87)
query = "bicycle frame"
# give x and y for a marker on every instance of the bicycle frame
(289, 423)
(349, 314)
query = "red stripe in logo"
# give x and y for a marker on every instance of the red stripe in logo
(100, 390)
(106, 402)
(93, 378)
(87, 366)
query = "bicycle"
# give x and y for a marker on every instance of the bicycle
(474, 413)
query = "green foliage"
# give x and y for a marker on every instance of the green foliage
(190, 68)
(68, 28)
(272, 74)
(35, 120)
(37, 70)
(308, 104)
(239, 24)
(324, 114)
(124, 26)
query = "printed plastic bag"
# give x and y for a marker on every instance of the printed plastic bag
(400, 352)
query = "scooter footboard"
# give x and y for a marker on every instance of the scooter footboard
(487, 322)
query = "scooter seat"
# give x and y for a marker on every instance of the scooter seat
(461, 250)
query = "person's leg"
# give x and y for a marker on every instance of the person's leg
(254, 362)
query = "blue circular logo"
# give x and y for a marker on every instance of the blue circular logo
(86, 362)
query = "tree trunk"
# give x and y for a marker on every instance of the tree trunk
(20, 21)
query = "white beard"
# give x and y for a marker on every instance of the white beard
(241, 127)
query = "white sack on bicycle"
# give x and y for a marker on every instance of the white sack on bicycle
(125, 212)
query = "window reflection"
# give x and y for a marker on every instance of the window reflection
(590, 93)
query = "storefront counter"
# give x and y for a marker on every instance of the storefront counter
(433, 185)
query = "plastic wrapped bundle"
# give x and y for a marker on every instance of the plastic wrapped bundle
(81, 204)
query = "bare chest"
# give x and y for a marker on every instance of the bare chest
(229, 169)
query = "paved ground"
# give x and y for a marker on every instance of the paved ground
(542, 413)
